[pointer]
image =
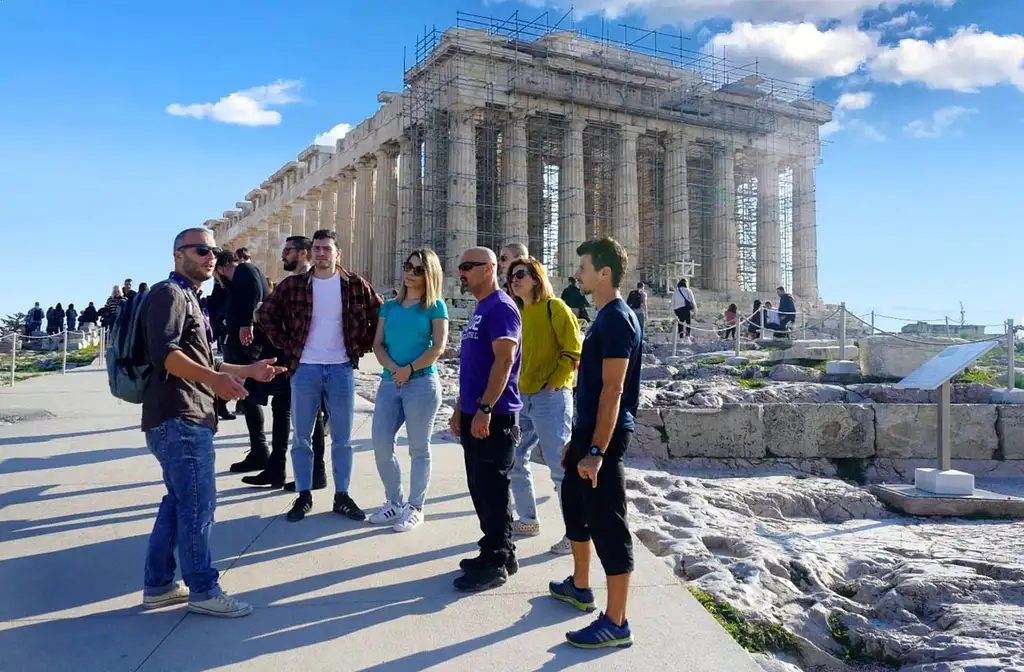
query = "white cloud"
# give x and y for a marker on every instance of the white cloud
(798, 51)
(967, 61)
(245, 108)
(855, 101)
(908, 24)
(942, 119)
(860, 100)
(332, 136)
(689, 12)
(866, 130)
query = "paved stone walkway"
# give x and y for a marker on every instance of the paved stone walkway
(78, 494)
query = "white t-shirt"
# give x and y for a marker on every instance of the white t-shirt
(325, 343)
(681, 296)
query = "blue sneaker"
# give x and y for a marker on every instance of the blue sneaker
(601, 634)
(567, 592)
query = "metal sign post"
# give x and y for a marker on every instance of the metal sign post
(14, 356)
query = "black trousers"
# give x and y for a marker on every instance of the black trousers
(488, 465)
(683, 315)
(281, 423)
(599, 514)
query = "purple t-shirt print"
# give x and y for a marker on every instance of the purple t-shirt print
(495, 317)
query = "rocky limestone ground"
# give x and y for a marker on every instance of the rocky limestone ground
(852, 585)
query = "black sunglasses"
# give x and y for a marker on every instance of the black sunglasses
(467, 266)
(409, 267)
(520, 274)
(202, 250)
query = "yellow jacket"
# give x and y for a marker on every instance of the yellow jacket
(551, 346)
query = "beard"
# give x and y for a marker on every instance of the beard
(290, 265)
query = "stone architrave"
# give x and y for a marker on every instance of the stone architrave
(805, 238)
(572, 212)
(724, 254)
(513, 224)
(343, 213)
(362, 229)
(769, 235)
(626, 208)
(385, 211)
(461, 226)
(676, 213)
(410, 196)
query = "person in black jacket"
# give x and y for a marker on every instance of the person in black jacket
(787, 309)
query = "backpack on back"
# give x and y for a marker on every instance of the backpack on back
(634, 300)
(128, 370)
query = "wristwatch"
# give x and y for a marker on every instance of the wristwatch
(594, 450)
(485, 408)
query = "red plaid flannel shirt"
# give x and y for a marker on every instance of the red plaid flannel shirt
(286, 314)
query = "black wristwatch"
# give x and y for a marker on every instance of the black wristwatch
(594, 450)
(484, 408)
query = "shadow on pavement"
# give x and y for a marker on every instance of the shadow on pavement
(41, 438)
(17, 464)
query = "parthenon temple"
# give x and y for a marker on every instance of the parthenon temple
(506, 131)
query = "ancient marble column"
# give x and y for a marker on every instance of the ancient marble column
(385, 219)
(343, 214)
(676, 209)
(461, 226)
(512, 227)
(626, 208)
(312, 200)
(298, 210)
(410, 197)
(284, 227)
(805, 237)
(433, 196)
(328, 193)
(769, 235)
(362, 229)
(572, 228)
(724, 255)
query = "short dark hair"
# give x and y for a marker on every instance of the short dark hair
(300, 242)
(326, 234)
(243, 254)
(608, 253)
(225, 257)
(780, 288)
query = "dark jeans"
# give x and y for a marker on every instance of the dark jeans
(281, 423)
(488, 464)
(599, 513)
(683, 314)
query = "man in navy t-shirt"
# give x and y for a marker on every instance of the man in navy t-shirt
(486, 417)
(594, 489)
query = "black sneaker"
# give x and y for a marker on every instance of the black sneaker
(303, 503)
(252, 462)
(272, 477)
(319, 480)
(344, 505)
(473, 564)
(482, 578)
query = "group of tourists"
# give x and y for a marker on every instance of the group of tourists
(57, 318)
(522, 355)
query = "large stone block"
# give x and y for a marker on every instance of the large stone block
(1010, 430)
(814, 351)
(819, 430)
(911, 431)
(735, 430)
(890, 357)
(649, 436)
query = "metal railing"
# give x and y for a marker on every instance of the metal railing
(15, 338)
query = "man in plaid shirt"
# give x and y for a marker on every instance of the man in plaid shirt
(324, 321)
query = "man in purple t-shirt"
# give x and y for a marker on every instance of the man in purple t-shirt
(486, 417)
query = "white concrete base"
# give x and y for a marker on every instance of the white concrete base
(841, 367)
(737, 361)
(1005, 395)
(944, 482)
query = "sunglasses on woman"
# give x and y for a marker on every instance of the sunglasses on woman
(520, 274)
(410, 267)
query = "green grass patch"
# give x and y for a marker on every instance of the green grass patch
(754, 637)
(751, 383)
(855, 653)
(976, 375)
(711, 361)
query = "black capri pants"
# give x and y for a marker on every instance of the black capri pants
(599, 514)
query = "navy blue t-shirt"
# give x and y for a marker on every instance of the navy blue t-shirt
(615, 334)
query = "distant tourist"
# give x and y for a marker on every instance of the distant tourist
(756, 320)
(771, 317)
(304, 316)
(243, 256)
(594, 489)
(126, 290)
(551, 351)
(71, 315)
(787, 308)
(114, 302)
(89, 316)
(485, 417)
(574, 298)
(50, 322)
(411, 334)
(179, 421)
(34, 319)
(637, 301)
(58, 319)
(143, 286)
(730, 321)
(684, 305)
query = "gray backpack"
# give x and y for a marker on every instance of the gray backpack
(128, 370)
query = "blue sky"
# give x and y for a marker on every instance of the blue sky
(919, 195)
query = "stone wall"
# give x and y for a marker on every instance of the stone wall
(831, 431)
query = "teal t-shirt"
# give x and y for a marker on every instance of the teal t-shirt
(408, 331)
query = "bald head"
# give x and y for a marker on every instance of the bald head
(478, 271)
(484, 254)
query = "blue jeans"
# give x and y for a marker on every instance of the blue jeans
(415, 403)
(546, 418)
(185, 452)
(335, 384)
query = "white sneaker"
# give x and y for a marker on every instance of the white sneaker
(222, 606)
(525, 528)
(175, 595)
(410, 519)
(562, 547)
(387, 514)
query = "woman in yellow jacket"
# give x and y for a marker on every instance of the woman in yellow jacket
(550, 353)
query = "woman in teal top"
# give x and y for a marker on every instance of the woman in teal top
(412, 332)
